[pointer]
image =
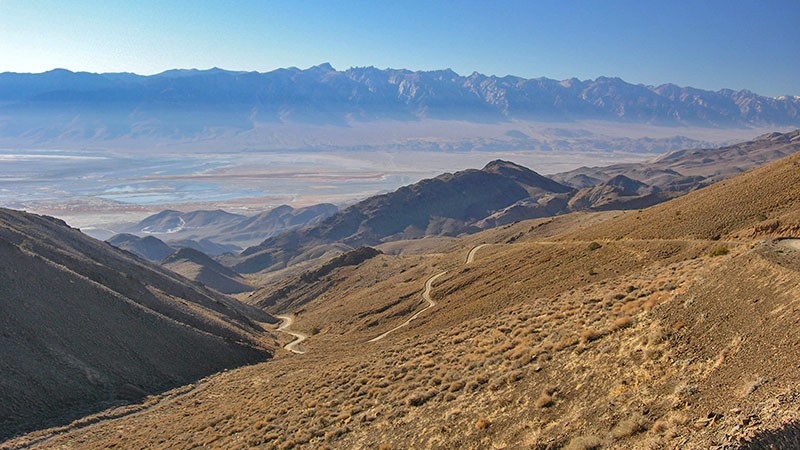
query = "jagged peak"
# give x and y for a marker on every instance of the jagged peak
(324, 67)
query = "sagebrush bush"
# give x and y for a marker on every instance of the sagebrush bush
(719, 250)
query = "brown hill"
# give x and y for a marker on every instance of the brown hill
(503, 192)
(147, 247)
(583, 331)
(198, 266)
(308, 285)
(85, 325)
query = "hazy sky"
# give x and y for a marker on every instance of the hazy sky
(705, 44)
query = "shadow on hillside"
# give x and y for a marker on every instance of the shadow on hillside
(785, 438)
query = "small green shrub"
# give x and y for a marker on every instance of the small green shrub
(719, 250)
(594, 246)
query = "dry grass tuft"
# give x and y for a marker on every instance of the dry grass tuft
(622, 322)
(584, 443)
(483, 424)
(629, 426)
(544, 401)
(592, 335)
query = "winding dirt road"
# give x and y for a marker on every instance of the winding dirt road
(299, 337)
(426, 295)
(472, 252)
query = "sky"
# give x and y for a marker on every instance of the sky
(710, 44)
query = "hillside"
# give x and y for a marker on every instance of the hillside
(86, 326)
(293, 292)
(447, 205)
(199, 267)
(581, 331)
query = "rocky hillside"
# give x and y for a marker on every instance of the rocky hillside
(294, 292)
(502, 193)
(86, 326)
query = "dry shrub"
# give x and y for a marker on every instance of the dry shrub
(659, 427)
(482, 424)
(545, 400)
(622, 322)
(628, 427)
(565, 342)
(584, 443)
(592, 335)
(456, 386)
(419, 398)
(631, 307)
(750, 386)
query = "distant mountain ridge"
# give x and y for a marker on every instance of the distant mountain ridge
(184, 103)
(503, 192)
(447, 205)
(227, 231)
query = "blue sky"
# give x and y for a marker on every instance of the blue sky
(706, 44)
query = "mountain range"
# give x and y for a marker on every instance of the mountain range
(64, 106)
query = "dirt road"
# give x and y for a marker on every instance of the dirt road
(472, 252)
(300, 337)
(426, 295)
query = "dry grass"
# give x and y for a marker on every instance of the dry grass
(483, 424)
